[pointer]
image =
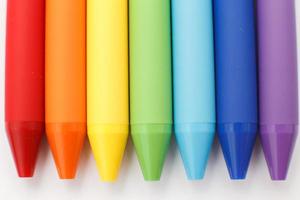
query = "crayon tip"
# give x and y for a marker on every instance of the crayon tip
(66, 141)
(108, 148)
(237, 141)
(151, 143)
(25, 139)
(195, 144)
(278, 145)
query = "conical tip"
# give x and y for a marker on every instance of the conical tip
(151, 143)
(151, 174)
(109, 178)
(66, 141)
(275, 176)
(237, 141)
(25, 139)
(195, 175)
(108, 148)
(237, 174)
(65, 172)
(278, 144)
(194, 142)
(25, 172)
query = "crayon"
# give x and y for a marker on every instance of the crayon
(150, 83)
(107, 83)
(236, 69)
(278, 84)
(65, 82)
(24, 83)
(194, 84)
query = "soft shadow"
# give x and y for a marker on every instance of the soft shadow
(127, 161)
(119, 185)
(257, 158)
(85, 161)
(215, 156)
(44, 155)
(170, 161)
(161, 186)
(126, 164)
(76, 184)
(212, 167)
(41, 168)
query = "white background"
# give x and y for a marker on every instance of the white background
(173, 185)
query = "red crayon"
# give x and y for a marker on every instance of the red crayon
(24, 92)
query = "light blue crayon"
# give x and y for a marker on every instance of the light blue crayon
(194, 84)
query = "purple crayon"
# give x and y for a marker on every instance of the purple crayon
(278, 85)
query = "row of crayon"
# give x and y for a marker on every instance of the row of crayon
(67, 74)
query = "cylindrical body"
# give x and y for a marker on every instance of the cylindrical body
(107, 78)
(236, 82)
(278, 85)
(150, 82)
(24, 92)
(194, 84)
(65, 82)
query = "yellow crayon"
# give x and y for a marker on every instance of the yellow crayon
(107, 83)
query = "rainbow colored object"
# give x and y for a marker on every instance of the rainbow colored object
(150, 83)
(278, 83)
(194, 82)
(236, 81)
(107, 83)
(65, 82)
(116, 68)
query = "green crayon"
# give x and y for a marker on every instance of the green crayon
(150, 83)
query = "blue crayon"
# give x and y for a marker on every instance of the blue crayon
(194, 84)
(236, 70)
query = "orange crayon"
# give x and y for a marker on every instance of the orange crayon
(65, 82)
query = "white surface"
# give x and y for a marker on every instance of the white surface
(130, 186)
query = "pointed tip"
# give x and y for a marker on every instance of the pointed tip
(237, 141)
(278, 145)
(151, 175)
(108, 148)
(25, 174)
(237, 173)
(66, 141)
(151, 143)
(25, 139)
(195, 143)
